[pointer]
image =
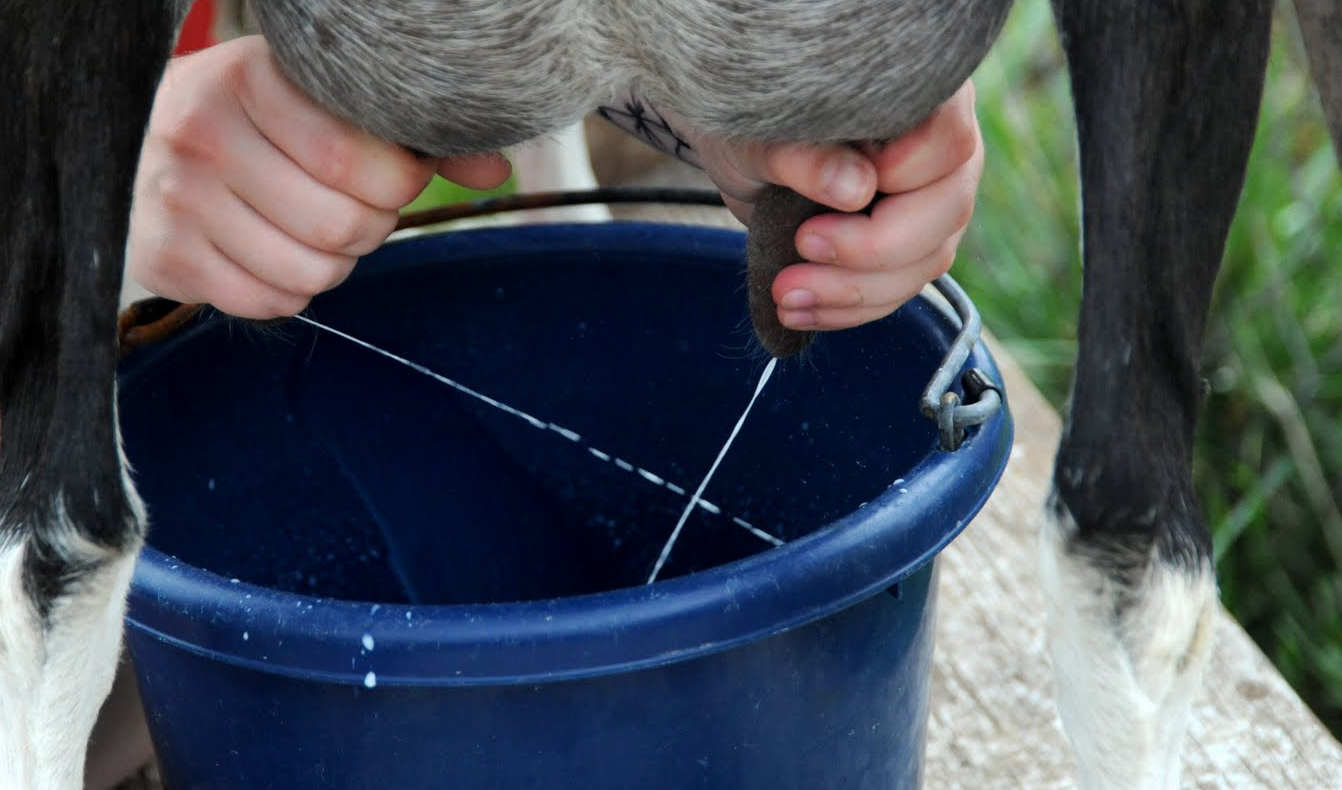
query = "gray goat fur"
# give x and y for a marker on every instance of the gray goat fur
(449, 77)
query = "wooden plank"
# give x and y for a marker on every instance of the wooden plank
(993, 724)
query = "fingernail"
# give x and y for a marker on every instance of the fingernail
(845, 180)
(815, 247)
(798, 299)
(798, 319)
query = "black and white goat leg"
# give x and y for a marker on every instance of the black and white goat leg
(1321, 25)
(78, 79)
(1166, 97)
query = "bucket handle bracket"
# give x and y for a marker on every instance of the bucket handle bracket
(952, 413)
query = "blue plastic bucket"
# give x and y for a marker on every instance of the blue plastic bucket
(361, 578)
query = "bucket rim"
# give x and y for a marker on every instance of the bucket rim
(674, 620)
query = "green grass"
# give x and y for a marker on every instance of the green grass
(441, 192)
(1269, 453)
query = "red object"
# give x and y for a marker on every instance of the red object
(197, 31)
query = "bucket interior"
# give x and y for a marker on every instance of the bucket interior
(296, 460)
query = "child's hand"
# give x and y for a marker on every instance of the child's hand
(859, 268)
(253, 199)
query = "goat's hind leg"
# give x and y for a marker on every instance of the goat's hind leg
(1166, 97)
(80, 80)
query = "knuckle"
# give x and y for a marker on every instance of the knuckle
(409, 178)
(238, 305)
(283, 305)
(333, 161)
(962, 140)
(302, 277)
(239, 72)
(323, 275)
(176, 260)
(256, 300)
(338, 273)
(963, 210)
(341, 232)
(379, 225)
(193, 133)
(305, 279)
(246, 69)
(851, 295)
(944, 258)
(176, 191)
(170, 268)
(958, 200)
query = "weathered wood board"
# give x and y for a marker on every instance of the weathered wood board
(993, 723)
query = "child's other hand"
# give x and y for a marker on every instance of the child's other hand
(854, 268)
